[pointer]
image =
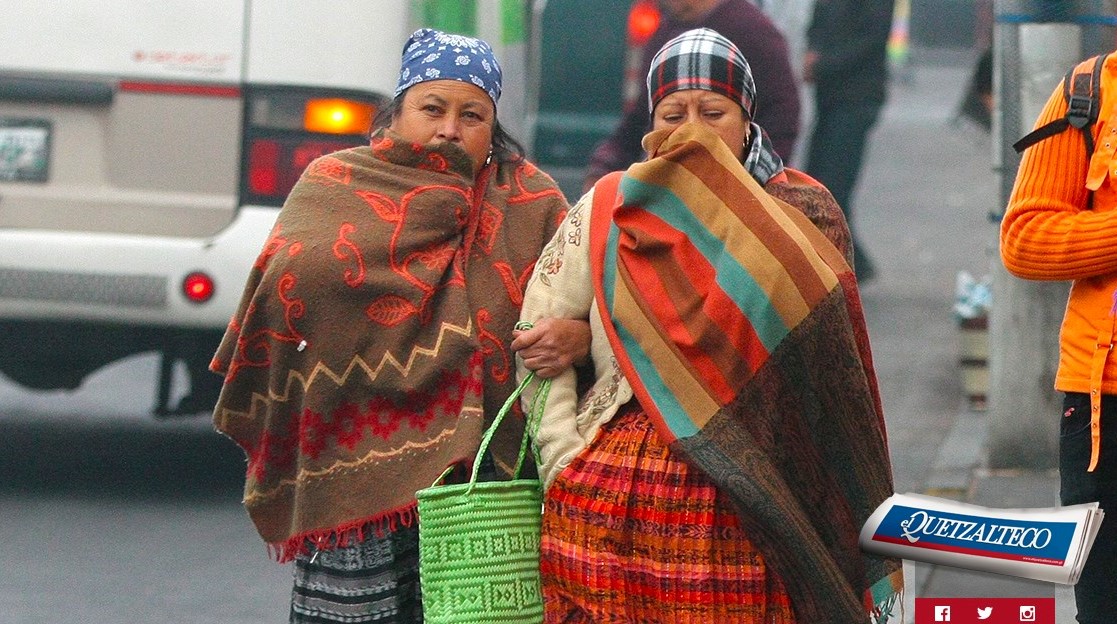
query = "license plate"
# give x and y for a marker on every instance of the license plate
(24, 150)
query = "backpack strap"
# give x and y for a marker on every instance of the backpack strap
(1082, 92)
(1084, 102)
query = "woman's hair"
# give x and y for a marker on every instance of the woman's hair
(506, 149)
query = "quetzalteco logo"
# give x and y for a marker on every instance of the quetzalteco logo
(1020, 540)
(922, 523)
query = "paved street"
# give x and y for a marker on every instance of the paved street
(111, 516)
(921, 211)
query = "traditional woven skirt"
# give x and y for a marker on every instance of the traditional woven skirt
(633, 534)
(375, 579)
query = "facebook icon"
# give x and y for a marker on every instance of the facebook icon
(942, 613)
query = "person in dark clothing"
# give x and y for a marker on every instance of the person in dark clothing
(846, 59)
(761, 42)
(977, 101)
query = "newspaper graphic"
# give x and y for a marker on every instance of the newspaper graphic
(1048, 544)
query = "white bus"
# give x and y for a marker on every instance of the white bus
(145, 146)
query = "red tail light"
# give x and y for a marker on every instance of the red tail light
(274, 165)
(198, 287)
(263, 167)
(287, 128)
(643, 20)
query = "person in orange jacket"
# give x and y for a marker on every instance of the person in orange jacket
(1061, 224)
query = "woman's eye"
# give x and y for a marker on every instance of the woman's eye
(672, 117)
(432, 109)
(713, 114)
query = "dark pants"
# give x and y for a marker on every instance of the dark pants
(1096, 591)
(835, 154)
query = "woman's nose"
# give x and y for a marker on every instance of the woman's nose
(449, 129)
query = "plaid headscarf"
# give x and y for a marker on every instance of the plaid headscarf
(434, 55)
(701, 59)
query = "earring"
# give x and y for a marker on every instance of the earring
(489, 158)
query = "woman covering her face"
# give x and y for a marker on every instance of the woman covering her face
(732, 444)
(373, 335)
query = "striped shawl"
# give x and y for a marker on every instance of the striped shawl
(740, 329)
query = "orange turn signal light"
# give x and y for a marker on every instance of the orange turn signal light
(338, 116)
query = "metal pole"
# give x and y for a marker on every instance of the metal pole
(1035, 43)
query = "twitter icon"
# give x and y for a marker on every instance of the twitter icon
(984, 613)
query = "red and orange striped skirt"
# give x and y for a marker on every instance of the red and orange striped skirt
(633, 534)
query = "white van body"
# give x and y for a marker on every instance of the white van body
(125, 128)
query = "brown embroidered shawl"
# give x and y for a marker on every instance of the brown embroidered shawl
(372, 336)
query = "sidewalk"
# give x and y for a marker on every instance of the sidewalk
(921, 209)
(958, 474)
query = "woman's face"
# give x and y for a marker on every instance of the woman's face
(448, 111)
(723, 115)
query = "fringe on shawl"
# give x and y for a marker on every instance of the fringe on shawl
(344, 535)
(885, 597)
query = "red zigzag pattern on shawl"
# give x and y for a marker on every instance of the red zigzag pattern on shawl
(350, 423)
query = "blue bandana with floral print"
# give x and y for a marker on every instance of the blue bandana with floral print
(434, 55)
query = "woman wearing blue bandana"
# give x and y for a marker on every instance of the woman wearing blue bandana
(372, 342)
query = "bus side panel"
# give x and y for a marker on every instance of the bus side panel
(328, 43)
(148, 164)
(169, 39)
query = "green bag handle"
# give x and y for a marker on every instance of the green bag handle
(531, 421)
(534, 415)
(488, 437)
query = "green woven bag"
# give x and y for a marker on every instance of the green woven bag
(479, 542)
